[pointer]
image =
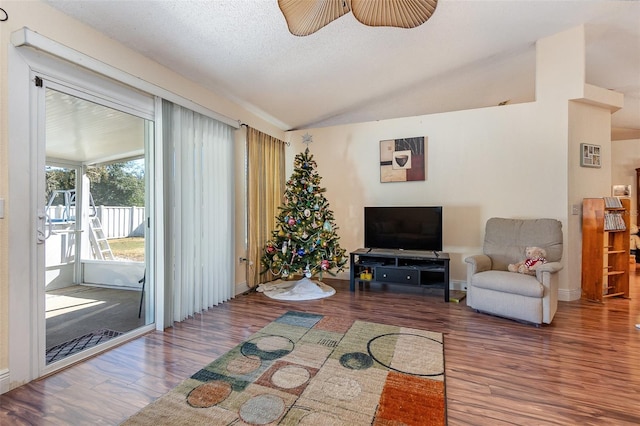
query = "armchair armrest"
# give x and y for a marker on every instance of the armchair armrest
(478, 263)
(551, 267)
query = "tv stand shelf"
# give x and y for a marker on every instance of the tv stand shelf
(407, 267)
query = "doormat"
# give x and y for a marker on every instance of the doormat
(63, 350)
(310, 369)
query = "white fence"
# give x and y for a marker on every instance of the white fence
(121, 222)
(117, 222)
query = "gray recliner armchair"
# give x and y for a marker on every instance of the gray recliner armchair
(491, 288)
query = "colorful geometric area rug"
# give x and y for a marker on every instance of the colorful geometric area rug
(89, 340)
(308, 369)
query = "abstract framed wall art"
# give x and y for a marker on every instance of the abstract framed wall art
(403, 160)
(590, 155)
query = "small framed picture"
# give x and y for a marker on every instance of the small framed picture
(403, 160)
(621, 190)
(590, 155)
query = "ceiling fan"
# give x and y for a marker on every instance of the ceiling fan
(305, 17)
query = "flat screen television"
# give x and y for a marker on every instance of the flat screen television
(403, 228)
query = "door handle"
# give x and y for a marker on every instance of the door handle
(41, 234)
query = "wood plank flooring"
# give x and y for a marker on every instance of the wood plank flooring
(583, 369)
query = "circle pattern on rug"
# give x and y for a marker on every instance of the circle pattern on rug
(209, 394)
(244, 364)
(262, 409)
(267, 347)
(424, 358)
(356, 361)
(290, 377)
(341, 388)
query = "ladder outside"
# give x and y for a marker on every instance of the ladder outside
(99, 243)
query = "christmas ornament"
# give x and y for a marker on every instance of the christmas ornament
(307, 139)
(324, 264)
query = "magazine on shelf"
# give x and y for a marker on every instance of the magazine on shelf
(612, 202)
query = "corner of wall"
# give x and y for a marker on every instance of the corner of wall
(4, 381)
(604, 98)
(561, 65)
(241, 288)
(568, 295)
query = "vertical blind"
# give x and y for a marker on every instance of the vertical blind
(200, 212)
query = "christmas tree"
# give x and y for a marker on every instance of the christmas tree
(305, 240)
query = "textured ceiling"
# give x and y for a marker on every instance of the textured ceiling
(469, 54)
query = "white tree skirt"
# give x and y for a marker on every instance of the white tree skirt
(304, 289)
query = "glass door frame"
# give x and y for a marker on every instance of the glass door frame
(40, 189)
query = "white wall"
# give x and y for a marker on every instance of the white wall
(588, 124)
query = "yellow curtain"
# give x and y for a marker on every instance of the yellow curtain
(266, 185)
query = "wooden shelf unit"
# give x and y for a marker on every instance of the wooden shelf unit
(605, 252)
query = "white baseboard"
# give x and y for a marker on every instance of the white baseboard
(4, 381)
(344, 275)
(241, 288)
(568, 295)
(457, 285)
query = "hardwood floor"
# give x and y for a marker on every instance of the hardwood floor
(583, 369)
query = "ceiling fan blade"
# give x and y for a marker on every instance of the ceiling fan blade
(393, 13)
(305, 17)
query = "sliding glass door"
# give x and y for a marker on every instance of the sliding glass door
(94, 231)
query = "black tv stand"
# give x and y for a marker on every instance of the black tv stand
(426, 269)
